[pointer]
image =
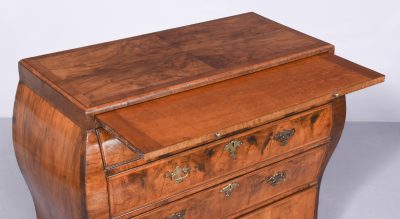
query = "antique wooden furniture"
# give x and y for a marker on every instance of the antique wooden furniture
(235, 117)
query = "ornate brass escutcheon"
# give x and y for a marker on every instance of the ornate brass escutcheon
(232, 146)
(276, 178)
(284, 136)
(229, 188)
(179, 174)
(177, 215)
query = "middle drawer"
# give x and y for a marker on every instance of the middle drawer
(243, 193)
(159, 180)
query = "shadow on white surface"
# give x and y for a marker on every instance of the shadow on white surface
(362, 179)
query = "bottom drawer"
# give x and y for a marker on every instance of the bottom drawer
(242, 192)
(298, 206)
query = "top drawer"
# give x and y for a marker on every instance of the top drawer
(157, 181)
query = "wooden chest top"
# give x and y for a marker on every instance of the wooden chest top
(272, 70)
(119, 73)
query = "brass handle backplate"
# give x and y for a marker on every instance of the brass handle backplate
(177, 215)
(232, 146)
(284, 136)
(179, 174)
(227, 190)
(276, 178)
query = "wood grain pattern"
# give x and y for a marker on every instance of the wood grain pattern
(56, 98)
(50, 150)
(338, 121)
(191, 118)
(98, 130)
(96, 194)
(252, 189)
(115, 74)
(114, 152)
(298, 206)
(312, 126)
(221, 179)
(150, 183)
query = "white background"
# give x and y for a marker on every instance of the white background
(364, 31)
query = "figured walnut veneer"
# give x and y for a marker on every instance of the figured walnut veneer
(231, 118)
(61, 162)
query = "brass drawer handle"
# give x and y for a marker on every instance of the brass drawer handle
(179, 174)
(276, 178)
(227, 190)
(177, 215)
(232, 146)
(284, 136)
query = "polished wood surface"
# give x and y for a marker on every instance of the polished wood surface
(236, 117)
(193, 117)
(115, 153)
(258, 143)
(50, 150)
(118, 73)
(96, 194)
(338, 121)
(251, 189)
(298, 206)
(150, 183)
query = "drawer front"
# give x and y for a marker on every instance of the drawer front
(250, 189)
(159, 180)
(298, 206)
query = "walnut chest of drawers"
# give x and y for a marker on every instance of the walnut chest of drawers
(231, 118)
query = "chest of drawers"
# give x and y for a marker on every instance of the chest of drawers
(231, 118)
